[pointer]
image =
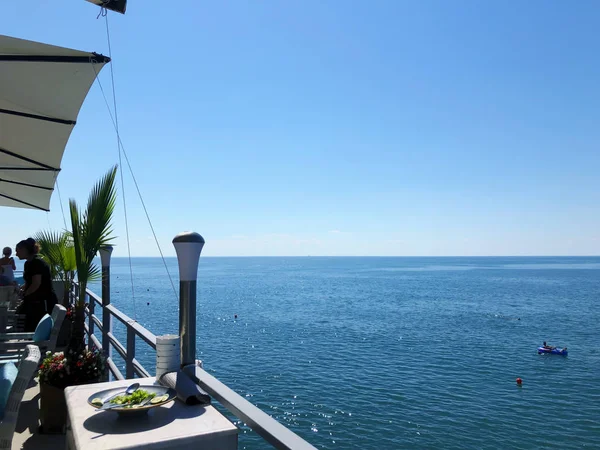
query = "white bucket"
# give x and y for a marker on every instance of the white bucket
(165, 356)
(167, 362)
(174, 358)
(166, 368)
(167, 339)
(163, 352)
(172, 343)
(163, 348)
(168, 358)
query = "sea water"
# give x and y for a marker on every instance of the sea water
(386, 353)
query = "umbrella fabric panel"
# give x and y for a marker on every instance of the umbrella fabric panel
(42, 88)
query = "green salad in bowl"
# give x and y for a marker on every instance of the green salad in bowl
(133, 400)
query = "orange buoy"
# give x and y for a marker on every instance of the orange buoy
(519, 381)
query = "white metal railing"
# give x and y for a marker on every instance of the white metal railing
(264, 425)
(132, 366)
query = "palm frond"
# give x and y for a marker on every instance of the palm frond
(95, 274)
(98, 214)
(57, 249)
(50, 243)
(76, 234)
(91, 228)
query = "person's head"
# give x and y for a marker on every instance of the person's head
(27, 248)
(7, 251)
(544, 343)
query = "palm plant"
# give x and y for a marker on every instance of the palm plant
(91, 230)
(58, 251)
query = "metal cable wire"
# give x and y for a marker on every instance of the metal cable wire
(116, 122)
(122, 147)
(61, 205)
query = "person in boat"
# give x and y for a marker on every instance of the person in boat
(548, 347)
(8, 264)
(38, 293)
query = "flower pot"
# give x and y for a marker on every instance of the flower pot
(53, 409)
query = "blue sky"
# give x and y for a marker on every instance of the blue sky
(339, 128)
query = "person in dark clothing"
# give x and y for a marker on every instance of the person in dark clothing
(38, 293)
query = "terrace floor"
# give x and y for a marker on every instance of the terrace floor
(26, 432)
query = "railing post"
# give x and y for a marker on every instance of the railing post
(130, 353)
(91, 306)
(105, 253)
(188, 246)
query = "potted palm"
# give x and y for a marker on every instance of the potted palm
(91, 230)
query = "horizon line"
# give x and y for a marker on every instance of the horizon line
(376, 256)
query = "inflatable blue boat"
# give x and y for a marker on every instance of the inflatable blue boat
(553, 351)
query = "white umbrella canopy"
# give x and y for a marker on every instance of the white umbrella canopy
(42, 88)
